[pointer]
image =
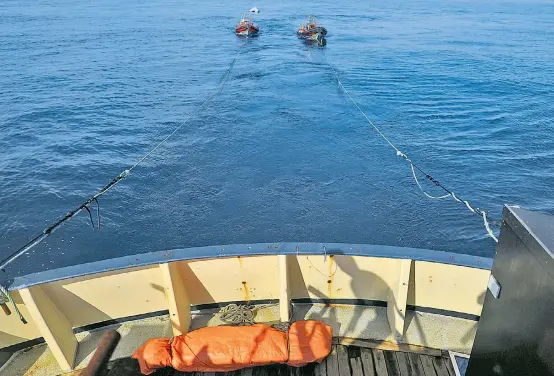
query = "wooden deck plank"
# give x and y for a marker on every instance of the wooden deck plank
(320, 369)
(448, 363)
(392, 364)
(380, 363)
(415, 364)
(175, 373)
(367, 362)
(427, 363)
(344, 364)
(356, 366)
(440, 366)
(332, 363)
(403, 364)
(279, 370)
(260, 371)
(118, 367)
(309, 369)
(343, 361)
(384, 345)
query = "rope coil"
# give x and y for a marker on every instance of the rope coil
(234, 314)
(243, 314)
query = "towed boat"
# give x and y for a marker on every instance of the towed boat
(311, 31)
(246, 27)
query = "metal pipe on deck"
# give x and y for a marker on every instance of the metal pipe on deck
(103, 353)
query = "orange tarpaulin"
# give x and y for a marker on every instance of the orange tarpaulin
(309, 341)
(228, 348)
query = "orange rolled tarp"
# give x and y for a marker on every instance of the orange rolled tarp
(309, 341)
(228, 348)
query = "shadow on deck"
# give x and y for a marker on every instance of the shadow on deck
(343, 361)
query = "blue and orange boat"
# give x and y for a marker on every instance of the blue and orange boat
(246, 27)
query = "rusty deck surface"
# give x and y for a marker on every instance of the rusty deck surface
(343, 361)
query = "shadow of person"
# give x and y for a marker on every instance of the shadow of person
(326, 314)
(363, 314)
(412, 316)
(367, 289)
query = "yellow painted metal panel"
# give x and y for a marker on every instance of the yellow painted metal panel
(106, 296)
(396, 305)
(231, 279)
(53, 325)
(177, 298)
(284, 289)
(133, 291)
(448, 287)
(12, 330)
(343, 277)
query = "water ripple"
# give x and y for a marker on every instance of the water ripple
(87, 87)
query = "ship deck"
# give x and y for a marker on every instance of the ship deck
(361, 346)
(343, 361)
(420, 301)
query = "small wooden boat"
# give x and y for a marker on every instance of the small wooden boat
(310, 30)
(246, 27)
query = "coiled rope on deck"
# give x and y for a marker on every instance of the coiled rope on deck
(243, 314)
(449, 193)
(94, 198)
(235, 314)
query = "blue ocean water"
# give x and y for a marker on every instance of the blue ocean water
(464, 87)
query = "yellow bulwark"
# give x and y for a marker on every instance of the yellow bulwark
(388, 287)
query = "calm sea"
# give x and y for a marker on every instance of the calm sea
(465, 88)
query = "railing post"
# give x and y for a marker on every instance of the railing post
(52, 324)
(177, 298)
(396, 304)
(284, 290)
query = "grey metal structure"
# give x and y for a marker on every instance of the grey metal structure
(515, 335)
